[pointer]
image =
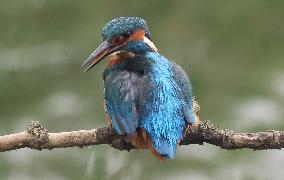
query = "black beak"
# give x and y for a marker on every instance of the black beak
(102, 51)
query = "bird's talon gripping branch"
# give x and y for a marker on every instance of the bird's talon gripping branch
(40, 134)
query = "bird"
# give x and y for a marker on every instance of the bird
(148, 98)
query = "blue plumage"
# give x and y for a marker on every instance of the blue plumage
(143, 89)
(123, 25)
(162, 109)
(162, 115)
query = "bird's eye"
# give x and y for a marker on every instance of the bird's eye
(121, 38)
(117, 39)
(126, 35)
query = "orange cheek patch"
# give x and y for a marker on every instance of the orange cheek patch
(137, 35)
(119, 57)
(114, 60)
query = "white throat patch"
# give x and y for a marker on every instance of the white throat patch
(150, 43)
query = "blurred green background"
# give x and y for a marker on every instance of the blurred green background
(233, 52)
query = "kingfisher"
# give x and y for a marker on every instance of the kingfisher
(148, 98)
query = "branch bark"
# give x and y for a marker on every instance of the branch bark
(36, 137)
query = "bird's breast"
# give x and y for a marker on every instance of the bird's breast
(119, 57)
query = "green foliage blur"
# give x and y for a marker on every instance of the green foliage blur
(233, 52)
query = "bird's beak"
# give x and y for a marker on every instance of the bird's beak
(102, 51)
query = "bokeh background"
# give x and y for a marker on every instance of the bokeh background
(232, 50)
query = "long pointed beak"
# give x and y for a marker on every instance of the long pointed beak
(102, 51)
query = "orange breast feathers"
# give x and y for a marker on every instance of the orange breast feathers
(119, 57)
(142, 140)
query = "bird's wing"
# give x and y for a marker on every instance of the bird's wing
(185, 92)
(121, 92)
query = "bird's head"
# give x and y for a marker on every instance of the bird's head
(128, 34)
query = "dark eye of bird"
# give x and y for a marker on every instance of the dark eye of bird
(126, 35)
(121, 38)
(117, 39)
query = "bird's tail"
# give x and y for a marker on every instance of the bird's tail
(165, 150)
(142, 140)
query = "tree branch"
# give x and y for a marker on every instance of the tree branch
(39, 138)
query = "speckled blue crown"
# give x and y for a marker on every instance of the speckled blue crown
(124, 24)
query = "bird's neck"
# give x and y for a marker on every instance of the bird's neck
(119, 57)
(128, 60)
